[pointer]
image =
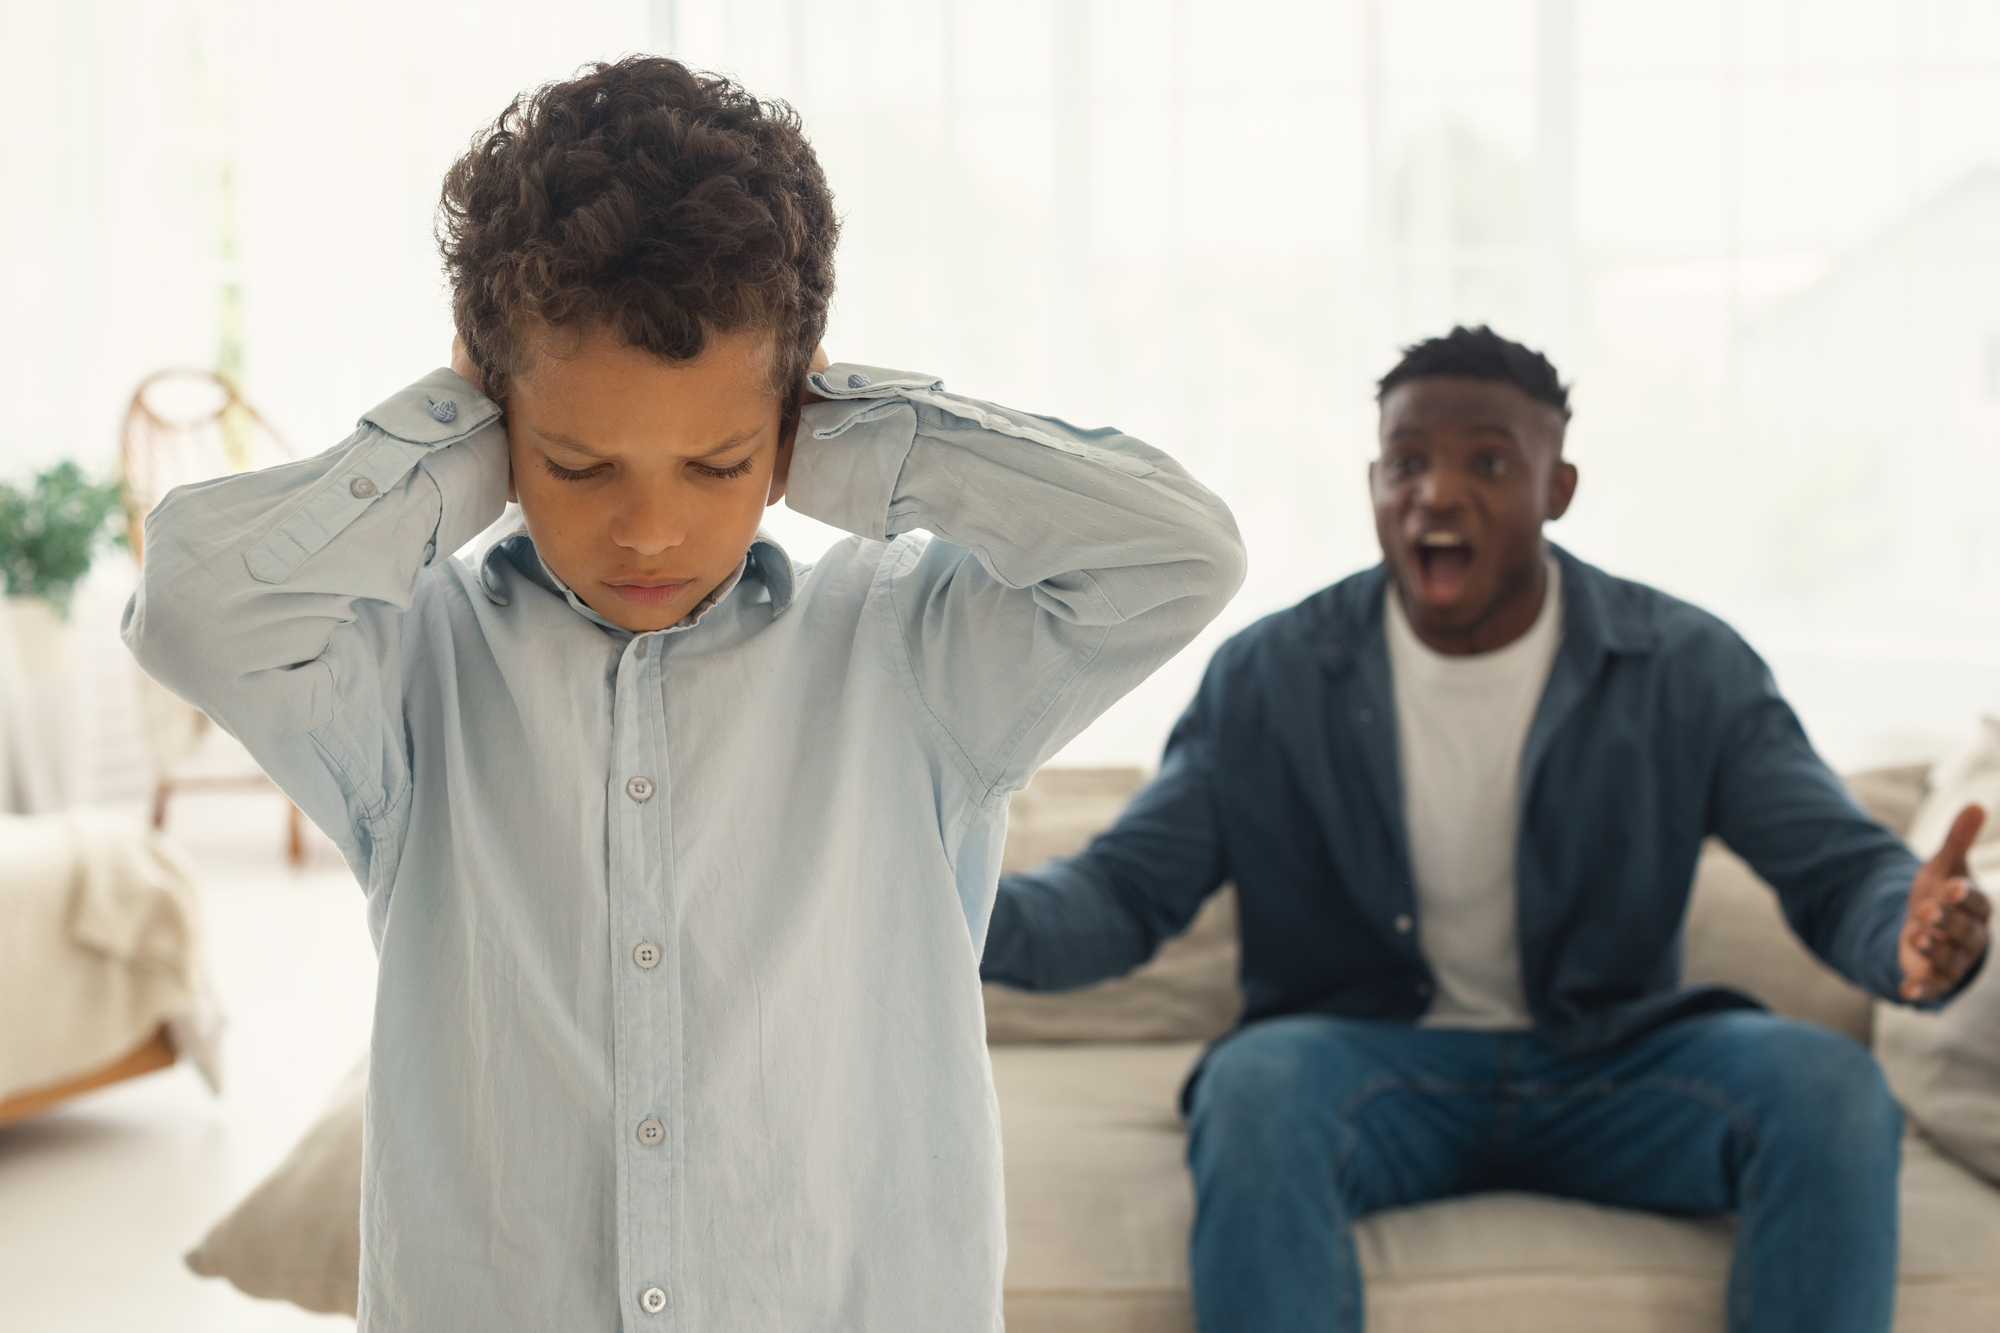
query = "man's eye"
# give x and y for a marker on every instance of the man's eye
(561, 473)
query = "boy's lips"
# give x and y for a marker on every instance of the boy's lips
(648, 592)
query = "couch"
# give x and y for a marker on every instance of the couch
(1098, 1202)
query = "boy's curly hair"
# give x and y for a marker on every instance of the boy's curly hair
(661, 204)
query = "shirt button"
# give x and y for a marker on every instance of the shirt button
(361, 488)
(640, 789)
(651, 1132)
(857, 380)
(652, 1300)
(1404, 925)
(647, 956)
(445, 410)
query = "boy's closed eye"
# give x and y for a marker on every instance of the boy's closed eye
(742, 468)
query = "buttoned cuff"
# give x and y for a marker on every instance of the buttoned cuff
(438, 410)
(850, 450)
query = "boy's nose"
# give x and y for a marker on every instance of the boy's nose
(649, 526)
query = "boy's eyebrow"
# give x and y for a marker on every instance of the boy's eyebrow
(577, 446)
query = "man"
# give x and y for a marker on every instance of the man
(1461, 796)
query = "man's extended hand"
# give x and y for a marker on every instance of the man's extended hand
(1945, 931)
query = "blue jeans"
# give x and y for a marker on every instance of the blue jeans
(1297, 1126)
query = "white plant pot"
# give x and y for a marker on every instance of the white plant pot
(38, 703)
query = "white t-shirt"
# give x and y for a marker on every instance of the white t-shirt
(1461, 723)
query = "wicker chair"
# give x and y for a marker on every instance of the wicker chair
(212, 431)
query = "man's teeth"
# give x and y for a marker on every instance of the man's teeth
(1440, 539)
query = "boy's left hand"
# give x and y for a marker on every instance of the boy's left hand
(1944, 933)
(781, 469)
(461, 362)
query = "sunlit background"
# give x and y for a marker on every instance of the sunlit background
(1762, 237)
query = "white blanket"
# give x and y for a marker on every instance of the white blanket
(99, 945)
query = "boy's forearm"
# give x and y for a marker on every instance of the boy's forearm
(1041, 503)
(249, 578)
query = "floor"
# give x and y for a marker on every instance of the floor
(101, 1197)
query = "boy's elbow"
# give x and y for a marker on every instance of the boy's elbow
(169, 648)
(1217, 562)
(1229, 560)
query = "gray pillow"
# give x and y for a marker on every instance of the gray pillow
(1944, 1066)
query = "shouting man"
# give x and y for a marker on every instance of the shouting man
(1461, 796)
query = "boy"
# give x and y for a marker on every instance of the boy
(678, 858)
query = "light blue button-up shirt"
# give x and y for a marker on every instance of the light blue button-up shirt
(678, 1024)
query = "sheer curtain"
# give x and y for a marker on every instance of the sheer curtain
(1762, 237)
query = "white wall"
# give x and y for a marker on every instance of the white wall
(1209, 224)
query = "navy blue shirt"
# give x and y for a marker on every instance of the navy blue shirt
(1658, 727)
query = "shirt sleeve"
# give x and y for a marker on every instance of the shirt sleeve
(1842, 879)
(1107, 910)
(1063, 565)
(277, 601)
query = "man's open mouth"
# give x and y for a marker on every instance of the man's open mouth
(1444, 559)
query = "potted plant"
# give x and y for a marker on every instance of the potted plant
(49, 533)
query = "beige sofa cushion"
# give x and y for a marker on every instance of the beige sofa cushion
(1945, 1066)
(1736, 933)
(297, 1236)
(1099, 1206)
(1737, 936)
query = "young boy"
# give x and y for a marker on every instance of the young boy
(678, 857)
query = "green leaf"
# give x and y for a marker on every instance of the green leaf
(50, 532)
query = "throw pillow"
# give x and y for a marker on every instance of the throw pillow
(297, 1236)
(1944, 1066)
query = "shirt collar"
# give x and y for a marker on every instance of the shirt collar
(508, 542)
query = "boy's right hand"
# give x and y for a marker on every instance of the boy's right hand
(781, 469)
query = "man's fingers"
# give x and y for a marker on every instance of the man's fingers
(1958, 842)
(1976, 904)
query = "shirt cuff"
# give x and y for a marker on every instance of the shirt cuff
(850, 450)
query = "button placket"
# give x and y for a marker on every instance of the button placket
(646, 1030)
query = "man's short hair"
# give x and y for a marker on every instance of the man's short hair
(1480, 354)
(662, 205)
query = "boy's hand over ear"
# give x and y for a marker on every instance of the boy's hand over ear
(781, 469)
(1945, 931)
(461, 361)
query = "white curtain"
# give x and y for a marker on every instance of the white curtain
(1761, 236)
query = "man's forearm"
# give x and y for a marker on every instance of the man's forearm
(1056, 928)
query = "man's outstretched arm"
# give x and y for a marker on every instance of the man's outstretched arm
(1105, 911)
(1853, 892)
